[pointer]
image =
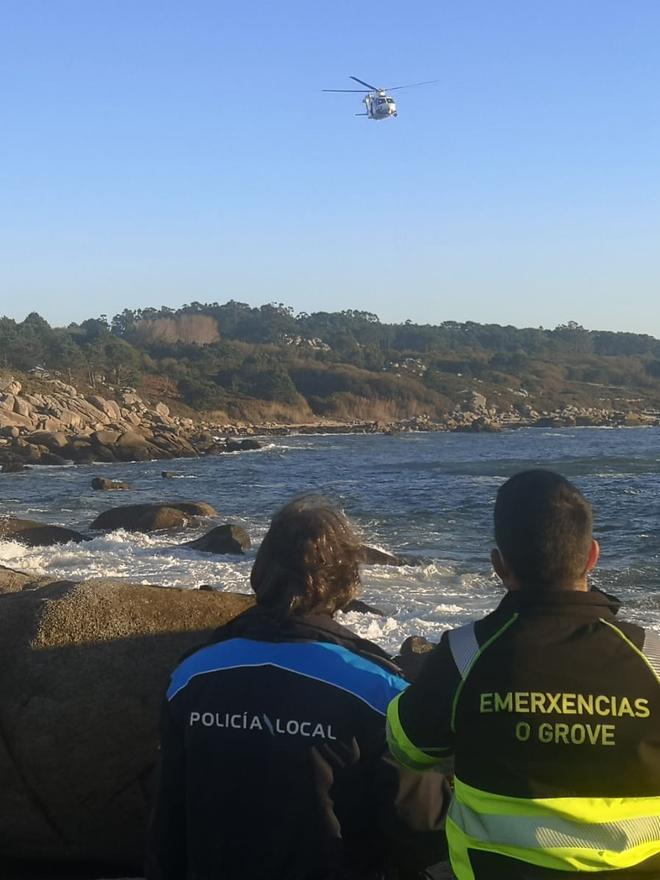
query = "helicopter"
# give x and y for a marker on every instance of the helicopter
(377, 103)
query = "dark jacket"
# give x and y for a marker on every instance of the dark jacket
(551, 708)
(274, 764)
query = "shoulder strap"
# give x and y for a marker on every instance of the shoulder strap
(651, 649)
(464, 647)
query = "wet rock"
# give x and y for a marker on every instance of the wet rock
(53, 458)
(227, 538)
(36, 534)
(104, 453)
(373, 556)
(362, 608)
(105, 485)
(170, 475)
(242, 445)
(149, 517)
(83, 669)
(14, 467)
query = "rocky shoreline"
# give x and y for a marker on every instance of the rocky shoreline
(61, 425)
(90, 660)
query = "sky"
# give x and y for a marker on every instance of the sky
(157, 152)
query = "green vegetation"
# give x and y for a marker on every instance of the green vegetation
(342, 365)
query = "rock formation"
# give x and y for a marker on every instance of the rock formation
(227, 538)
(151, 517)
(36, 534)
(83, 668)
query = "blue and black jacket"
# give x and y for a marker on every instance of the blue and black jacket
(274, 762)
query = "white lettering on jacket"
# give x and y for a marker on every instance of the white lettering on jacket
(275, 727)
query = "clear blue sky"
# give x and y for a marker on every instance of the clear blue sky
(157, 152)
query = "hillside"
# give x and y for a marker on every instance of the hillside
(232, 362)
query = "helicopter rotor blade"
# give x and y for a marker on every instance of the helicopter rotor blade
(427, 82)
(363, 83)
(355, 91)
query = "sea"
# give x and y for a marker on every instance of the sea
(429, 495)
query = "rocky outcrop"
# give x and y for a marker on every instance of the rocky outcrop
(60, 421)
(228, 538)
(83, 668)
(151, 517)
(36, 534)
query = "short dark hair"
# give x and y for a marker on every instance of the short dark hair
(543, 529)
(308, 560)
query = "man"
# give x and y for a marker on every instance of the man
(274, 762)
(550, 707)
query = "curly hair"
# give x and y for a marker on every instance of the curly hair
(308, 560)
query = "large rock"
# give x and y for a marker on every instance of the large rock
(54, 440)
(16, 420)
(105, 438)
(149, 517)
(83, 668)
(107, 407)
(228, 538)
(36, 534)
(9, 385)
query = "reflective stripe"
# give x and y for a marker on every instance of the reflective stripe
(651, 649)
(330, 664)
(405, 751)
(650, 652)
(579, 834)
(464, 647)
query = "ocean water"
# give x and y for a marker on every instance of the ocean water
(428, 495)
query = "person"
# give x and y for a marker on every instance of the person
(549, 708)
(274, 762)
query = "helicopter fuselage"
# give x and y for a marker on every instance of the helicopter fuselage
(379, 105)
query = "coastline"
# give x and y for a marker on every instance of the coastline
(57, 424)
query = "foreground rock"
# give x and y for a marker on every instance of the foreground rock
(152, 517)
(228, 538)
(83, 668)
(36, 534)
(12, 581)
